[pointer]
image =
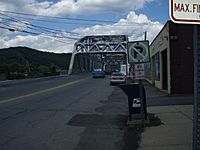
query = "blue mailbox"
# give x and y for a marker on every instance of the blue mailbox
(132, 90)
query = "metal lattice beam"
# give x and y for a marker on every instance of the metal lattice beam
(101, 44)
(104, 43)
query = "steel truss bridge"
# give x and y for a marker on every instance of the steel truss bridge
(97, 51)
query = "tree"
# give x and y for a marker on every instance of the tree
(43, 69)
(53, 69)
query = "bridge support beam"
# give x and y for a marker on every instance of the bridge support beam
(71, 63)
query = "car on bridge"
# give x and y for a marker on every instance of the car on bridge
(98, 73)
(117, 78)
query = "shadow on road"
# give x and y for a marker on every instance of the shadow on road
(107, 130)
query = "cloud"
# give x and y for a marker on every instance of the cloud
(71, 7)
(133, 25)
(40, 42)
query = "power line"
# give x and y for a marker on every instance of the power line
(62, 18)
(10, 27)
(52, 21)
(33, 33)
(41, 29)
(37, 28)
(73, 23)
(78, 19)
(6, 28)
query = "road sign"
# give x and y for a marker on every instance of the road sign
(138, 51)
(139, 71)
(185, 11)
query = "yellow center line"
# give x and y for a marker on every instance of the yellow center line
(39, 92)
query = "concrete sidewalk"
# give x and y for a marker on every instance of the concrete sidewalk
(175, 133)
(176, 130)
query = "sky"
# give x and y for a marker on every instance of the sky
(55, 25)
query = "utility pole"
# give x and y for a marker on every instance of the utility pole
(145, 35)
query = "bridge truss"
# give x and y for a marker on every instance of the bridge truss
(101, 45)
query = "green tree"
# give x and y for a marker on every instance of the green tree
(16, 67)
(53, 69)
(43, 69)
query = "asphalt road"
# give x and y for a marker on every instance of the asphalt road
(62, 113)
(68, 113)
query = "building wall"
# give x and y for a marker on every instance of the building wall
(172, 62)
(182, 61)
(158, 46)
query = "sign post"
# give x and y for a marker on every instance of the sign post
(138, 54)
(188, 12)
(196, 111)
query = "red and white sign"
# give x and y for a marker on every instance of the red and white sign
(185, 11)
(139, 71)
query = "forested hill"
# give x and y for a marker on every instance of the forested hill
(24, 55)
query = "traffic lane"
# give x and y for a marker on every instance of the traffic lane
(44, 90)
(24, 87)
(33, 101)
(27, 81)
(72, 93)
(40, 121)
(17, 88)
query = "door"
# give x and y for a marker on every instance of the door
(164, 70)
